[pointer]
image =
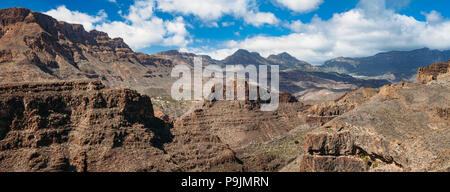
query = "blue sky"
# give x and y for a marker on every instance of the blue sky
(311, 30)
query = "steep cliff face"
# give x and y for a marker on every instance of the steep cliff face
(432, 72)
(238, 123)
(247, 129)
(81, 126)
(405, 127)
(36, 47)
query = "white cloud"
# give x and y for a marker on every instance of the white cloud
(213, 10)
(366, 30)
(259, 19)
(140, 29)
(140, 11)
(433, 16)
(63, 14)
(177, 31)
(227, 24)
(301, 6)
(295, 25)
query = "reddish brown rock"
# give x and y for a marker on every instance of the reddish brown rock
(403, 128)
(81, 126)
(332, 164)
(287, 98)
(36, 47)
(324, 112)
(432, 72)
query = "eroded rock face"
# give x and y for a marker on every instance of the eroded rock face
(36, 47)
(432, 72)
(403, 128)
(245, 128)
(325, 112)
(81, 126)
(238, 123)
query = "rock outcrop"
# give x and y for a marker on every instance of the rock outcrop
(36, 47)
(432, 72)
(324, 112)
(405, 127)
(81, 126)
(239, 123)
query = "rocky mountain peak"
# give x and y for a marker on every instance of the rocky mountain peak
(283, 56)
(242, 52)
(287, 61)
(13, 15)
(243, 56)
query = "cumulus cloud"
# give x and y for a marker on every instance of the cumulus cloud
(295, 25)
(300, 6)
(433, 16)
(365, 30)
(63, 14)
(143, 29)
(213, 10)
(140, 29)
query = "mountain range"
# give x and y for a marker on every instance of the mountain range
(36, 47)
(395, 65)
(73, 100)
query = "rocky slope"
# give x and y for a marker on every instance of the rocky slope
(239, 123)
(245, 128)
(318, 87)
(36, 47)
(81, 126)
(404, 127)
(326, 111)
(282, 153)
(269, 141)
(433, 72)
(395, 65)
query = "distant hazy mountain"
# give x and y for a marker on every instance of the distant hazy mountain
(246, 58)
(400, 64)
(284, 60)
(287, 61)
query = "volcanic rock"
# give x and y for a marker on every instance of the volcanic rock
(81, 126)
(36, 47)
(324, 112)
(403, 128)
(432, 72)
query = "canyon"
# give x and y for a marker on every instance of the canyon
(78, 101)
